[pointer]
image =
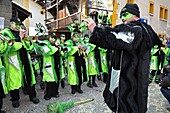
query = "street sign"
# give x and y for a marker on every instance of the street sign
(144, 20)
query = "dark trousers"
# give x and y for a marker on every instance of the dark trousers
(2, 95)
(27, 76)
(14, 95)
(30, 91)
(97, 57)
(81, 69)
(51, 89)
(1, 103)
(166, 93)
(155, 72)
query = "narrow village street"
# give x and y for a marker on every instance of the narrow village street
(157, 103)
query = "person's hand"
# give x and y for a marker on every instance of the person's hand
(79, 46)
(23, 33)
(90, 23)
(56, 43)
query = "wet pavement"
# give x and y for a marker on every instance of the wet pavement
(156, 102)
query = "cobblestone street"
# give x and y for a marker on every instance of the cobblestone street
(157, 103)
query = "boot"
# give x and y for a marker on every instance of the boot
(157, 79)
(35, 100)
(46, 97)
(1, 104)
(105, 77)
(94, 81)
(1, 111)
(168, 108)
(99, 77)
(151, 78)
(73, 90)
(57, 95)
(89, 84)
(78, 89)
(15, 104)
(42, 85)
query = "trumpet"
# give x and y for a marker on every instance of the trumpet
(7, 39)
(30, 38)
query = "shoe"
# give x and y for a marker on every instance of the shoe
(35, 100)
(1, 111)
(168, 108)
(89, 85)
(150, 81)
(47, 98)
(73, 91)
(62, 83)
(99, 77)
(57, 95)
(95, 85)
(79, 90)
(157, 82)
(15, 104)
(42, 85)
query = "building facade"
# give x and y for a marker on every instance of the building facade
(156, 12)
(58, 14)
(5, 12)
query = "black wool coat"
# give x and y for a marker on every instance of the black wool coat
(132, 42)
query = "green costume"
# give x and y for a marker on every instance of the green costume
(12, 63)
(92, 64)
(49, 74)
(104, 65)
(3, 50)
(154, 58)
(29, 46)
(72, 72)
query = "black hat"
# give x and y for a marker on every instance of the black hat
(131, 8)
(16, 20)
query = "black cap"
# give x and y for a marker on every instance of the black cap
(131, 8)
(16, 20)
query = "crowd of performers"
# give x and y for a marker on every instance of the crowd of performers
(159, 60)
(74, 60)
(57, 59)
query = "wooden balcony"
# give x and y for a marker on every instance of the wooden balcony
(63, 23)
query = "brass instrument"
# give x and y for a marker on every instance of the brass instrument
(7, 39)
(30, 38)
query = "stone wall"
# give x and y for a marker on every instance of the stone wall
(6, 10)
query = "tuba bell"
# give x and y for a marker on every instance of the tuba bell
(34, 38)
(7, 39)
(30, 38)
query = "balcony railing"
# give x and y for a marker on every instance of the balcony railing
(64, 22)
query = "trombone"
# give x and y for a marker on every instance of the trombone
(7, 39)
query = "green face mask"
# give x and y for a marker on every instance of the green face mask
(16, 26)
(125, 16)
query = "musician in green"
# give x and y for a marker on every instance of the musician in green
(3, 88)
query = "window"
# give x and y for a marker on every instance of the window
(151, 7)
(166, 14)
(163, 14)
(130, 1)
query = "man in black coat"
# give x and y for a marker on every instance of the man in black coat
(126, 89)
